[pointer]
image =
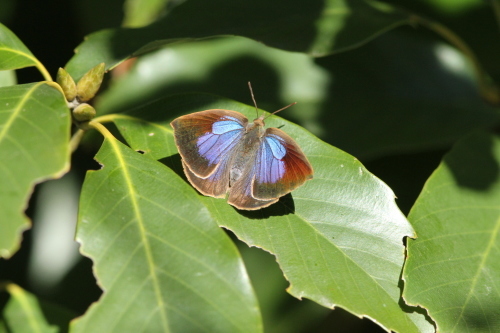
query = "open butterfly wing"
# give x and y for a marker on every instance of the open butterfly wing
(240, 194)
(280, 166)
(206, 138)
(215, 185)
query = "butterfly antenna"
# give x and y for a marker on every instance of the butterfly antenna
(253, 99)
(283, 108)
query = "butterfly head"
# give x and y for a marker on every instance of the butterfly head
(259, 121)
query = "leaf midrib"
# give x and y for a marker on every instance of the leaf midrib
(376, 283)
(19, 294)
(475, 279)
(17, 110)
(142, 230)
(23, 54)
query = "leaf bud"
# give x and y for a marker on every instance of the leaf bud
(89, 84)
(84, 112)
(67, 84)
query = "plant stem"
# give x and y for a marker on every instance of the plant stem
(75, 139)
(102, 129)
(111, 117)
(45, 73)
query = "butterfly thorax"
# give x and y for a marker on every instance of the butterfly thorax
(247, 149)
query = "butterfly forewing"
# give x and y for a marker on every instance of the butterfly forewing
(207, 137)
(216, 185)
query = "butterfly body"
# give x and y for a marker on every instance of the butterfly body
(222, 152)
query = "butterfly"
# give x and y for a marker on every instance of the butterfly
(223, 153)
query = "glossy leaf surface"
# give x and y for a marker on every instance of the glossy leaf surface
(13, 53)
(453, 268)
(337, 100)
(320, 28)
(338, 238)
(148, 234)
(34, 136)
(7, 78)
(138, 13)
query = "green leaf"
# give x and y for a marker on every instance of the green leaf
(139, 13)
(338, 238)
(13, 53)
(318, 28)
(23, 313)
(198, 66)
(162, 262)
(335, 99)
(7, 78)
(34, 136)
(453, 266)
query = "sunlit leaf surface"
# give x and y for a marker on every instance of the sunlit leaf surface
(338, 238)
(453, 266)
(7, 78)
(149, 235)
(320, 28)
(336, 98)
(13, 53)
(34, 136)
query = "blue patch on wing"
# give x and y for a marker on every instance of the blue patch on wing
(277, 145)
(216, 145)
(270, 167)
(226, 125)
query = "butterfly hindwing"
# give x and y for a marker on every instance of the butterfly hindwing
(216, 185)
(240, 194)
(280, 166)
(206, 138)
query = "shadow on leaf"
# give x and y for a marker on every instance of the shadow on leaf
(472, 162)
(283, 207)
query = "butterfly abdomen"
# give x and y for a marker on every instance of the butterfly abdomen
(247, 151)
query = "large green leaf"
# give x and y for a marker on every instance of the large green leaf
(34, 137)
(23, 313)
(453, 267)
(138, 13)
(317, 27)
(13, 53)
(7, 78)
(162, 262)
(338, 238)
(409, 111)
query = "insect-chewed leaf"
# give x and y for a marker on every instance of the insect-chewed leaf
(338, 238)
(34, 146)
(148, 235)
(453, 266)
